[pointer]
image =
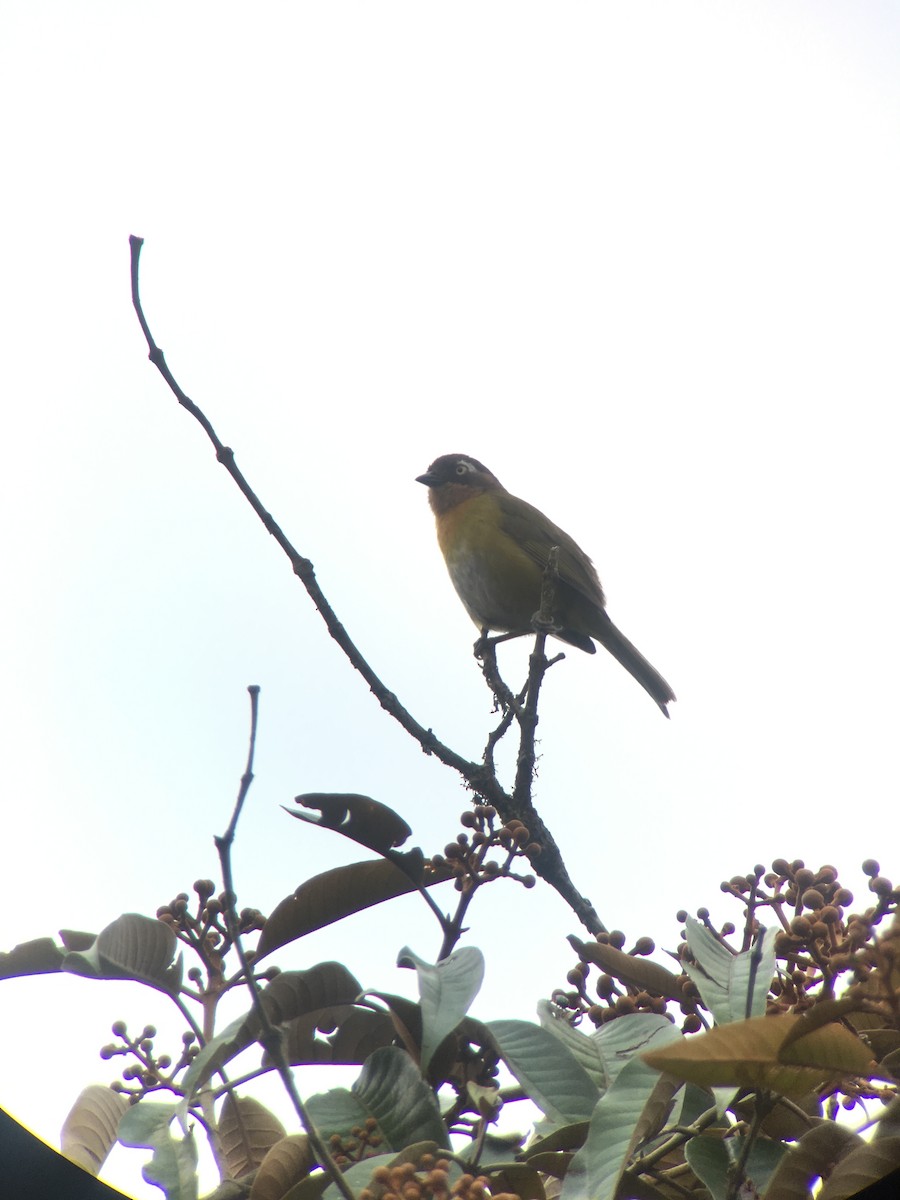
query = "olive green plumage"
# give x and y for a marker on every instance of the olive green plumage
(496, 547)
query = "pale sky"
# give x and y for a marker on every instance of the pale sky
(641, 260)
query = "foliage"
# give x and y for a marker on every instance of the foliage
(721, 1073)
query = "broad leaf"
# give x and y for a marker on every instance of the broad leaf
(814, 1154)
(342, 1035)
(732, 986)
(392, 1092)
(247, 1132)
(548, 1071)
(753, 1054)
(214, 1055)
(582, 1045)
(619, 1041)
(712, 1159)
(626, 1113)
(91, 1128)
(446, 989)
(38, 957)
(866, 1164)
(289, 1161)
(359, 818)
(173, 1167)
(131, 947)
(339, 893)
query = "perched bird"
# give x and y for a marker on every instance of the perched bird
(496, 547)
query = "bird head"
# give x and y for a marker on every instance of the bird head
(453, 478)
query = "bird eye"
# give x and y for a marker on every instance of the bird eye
(463, 467)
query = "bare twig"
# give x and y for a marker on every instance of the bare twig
(479, 777)
(270, 1037)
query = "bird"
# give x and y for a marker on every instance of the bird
(496, 548)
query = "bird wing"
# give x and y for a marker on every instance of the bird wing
(536, 534)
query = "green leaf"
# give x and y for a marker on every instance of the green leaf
(217, 1051)
(620, 1118)
(132, 947)
(733, 987)
(619, 1041)
(713, 1158)
(582, 1045)
(446, 989)
(548, 1071)
(390, 1090)
(173, 1167)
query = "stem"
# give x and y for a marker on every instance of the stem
(270, 1037)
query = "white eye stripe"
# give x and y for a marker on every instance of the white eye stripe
(464, 467)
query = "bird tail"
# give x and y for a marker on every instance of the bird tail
(634, 662)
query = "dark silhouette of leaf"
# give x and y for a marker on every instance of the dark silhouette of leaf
(352, 1035)
(294, 993)
(406, 1016)
(815, 1154)
(39, 957)
(338, 893)
(359, 818)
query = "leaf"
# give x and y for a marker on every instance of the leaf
(517, 1179)
(292, 993)
(357, 1032)
(289, 1161)
(391, 1091)
(632, 969)
(620, 1040)
(712, 1159)
(359, 818)
(866, 1164)
(173, 1167)
(618, 1120)
(548, 1071)
(38, 957)
(732, 986)
(339, 893)
(217, 1051)
(406, 1017)
(446, 989)
(566, 1137)
(247, 1132)
(90, 1130)
(750, 1054)
(582, 1045)
(131, 947)
(814, 1155)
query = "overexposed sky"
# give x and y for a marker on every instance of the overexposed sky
(641, 260)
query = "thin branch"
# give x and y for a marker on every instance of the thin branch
(270, 1037)
(478, 776)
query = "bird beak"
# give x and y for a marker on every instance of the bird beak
(427, 479)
